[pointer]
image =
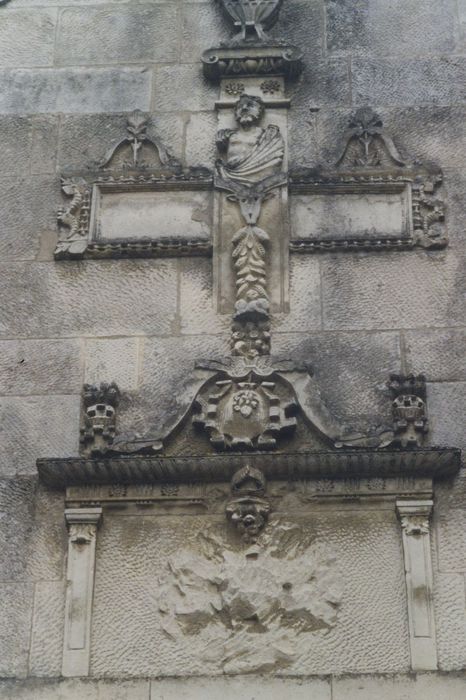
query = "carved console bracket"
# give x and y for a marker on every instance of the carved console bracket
(415, 524)
(252, 52)
(82, 526)
(248, 510)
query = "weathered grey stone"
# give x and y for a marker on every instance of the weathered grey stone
(36, 426)
(27, 211)
(200, 146)
(15, 612)
(203, 26)
(92, 298)
(47, 543)
(450, 524)
(450, 600)
(392, 291)
(246, 688)
(40, 367)
(439, 354)
(75, 689)
(394, 81)
(85, 139)
(198, 308)
(192, 92)
(28, 38)
(113, 360)
(118, 35)
(74, 90)
(351, 370)
(402, 27)
(44, 144)
(305, 297)
(16, 526)
(422, 686)
(447, 406)
(131, 551)
(45, 657)
(329, 79)
(302, 24)
(167, 364)
(16, 138)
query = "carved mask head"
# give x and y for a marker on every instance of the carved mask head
(249, 110)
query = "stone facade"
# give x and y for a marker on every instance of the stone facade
(251, 257)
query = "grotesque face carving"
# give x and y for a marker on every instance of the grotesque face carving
(249, 110)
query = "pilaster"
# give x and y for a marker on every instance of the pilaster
(82, 526)
(415, 523)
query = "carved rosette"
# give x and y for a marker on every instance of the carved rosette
(98, 418)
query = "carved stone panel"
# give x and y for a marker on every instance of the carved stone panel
(141, 202)
(351, 212)
(149, 214)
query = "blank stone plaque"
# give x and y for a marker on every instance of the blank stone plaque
(330, 215)
(155, 215)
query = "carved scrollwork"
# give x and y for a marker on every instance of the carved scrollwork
(75, 218)
(428, 210)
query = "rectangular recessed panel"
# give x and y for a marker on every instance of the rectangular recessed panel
(342, 215)
(152, 215)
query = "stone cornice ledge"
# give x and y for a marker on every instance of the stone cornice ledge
(434, 462)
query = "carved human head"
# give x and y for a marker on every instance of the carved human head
(249, 110)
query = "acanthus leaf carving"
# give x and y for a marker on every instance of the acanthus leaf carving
(137, 136)
(366, 132)
(415, 525)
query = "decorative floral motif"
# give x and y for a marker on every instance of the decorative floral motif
(250, 339)
(245, 402)
(270, 87)
(234, 89)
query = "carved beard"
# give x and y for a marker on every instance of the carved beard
(247, 118)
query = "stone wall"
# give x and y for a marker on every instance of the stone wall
(70, 71)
